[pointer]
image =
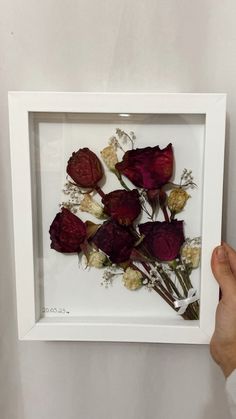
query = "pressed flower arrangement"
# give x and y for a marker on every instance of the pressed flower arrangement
(130, 239)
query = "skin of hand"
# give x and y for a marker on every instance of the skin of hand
(223, 342)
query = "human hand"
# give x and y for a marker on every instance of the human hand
(223, 342)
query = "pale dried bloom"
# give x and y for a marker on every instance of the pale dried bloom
(97, 259)
(132, 279)
(191, 255)
(177, 200)
(109, 156)
(89, 205)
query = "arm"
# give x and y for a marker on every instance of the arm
(223, 342)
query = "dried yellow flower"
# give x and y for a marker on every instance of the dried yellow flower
(177, 200)
(89, 205)
(97, 259)
(109, 156)
(191, 255)
(132, 279)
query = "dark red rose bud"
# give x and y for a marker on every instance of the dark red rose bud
(85, 168)
(149, 167)
(114, 240)
(162, 239)
(67, 232)
(123, 206)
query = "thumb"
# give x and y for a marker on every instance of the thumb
(221, 269)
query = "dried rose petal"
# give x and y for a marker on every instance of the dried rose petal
(149, 167)
(114, 240)
(85, 168)
(123, 206)
(162, 239)
(67, 232)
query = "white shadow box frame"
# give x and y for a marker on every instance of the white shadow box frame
(55, 299)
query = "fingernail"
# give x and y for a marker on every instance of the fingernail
(221, 254)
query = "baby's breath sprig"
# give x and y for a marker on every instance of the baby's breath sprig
(186, 180)
(69, 205)
(109, 275)
(115, 143)
(143, 201)
(124, 136)
(74, 195)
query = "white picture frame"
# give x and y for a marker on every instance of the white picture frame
(31, 326)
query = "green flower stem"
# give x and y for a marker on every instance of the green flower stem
(99, 191)
(187, 281)
(181, 281)
(162, 292)
(187, 315)
(164, 296)
(119, 177)
(190, 314)
(132, 143)
(168, 280)
(185, 275)
(192, 311)
(147, 212)
(164, 210)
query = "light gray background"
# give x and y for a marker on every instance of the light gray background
(111, 45)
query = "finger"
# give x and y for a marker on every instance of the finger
(222, 271)
(232, 257)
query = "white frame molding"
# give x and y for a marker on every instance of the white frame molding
(29, 327)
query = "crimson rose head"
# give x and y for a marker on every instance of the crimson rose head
(123, 206)
(85, 168)
(67, 232)
(114, 240)
(163, 239)
(149, 167)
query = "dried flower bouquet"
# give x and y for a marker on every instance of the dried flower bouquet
(154, 254)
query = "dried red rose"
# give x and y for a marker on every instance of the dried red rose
(149, 167)
(114, 240)
(85, 168)
(162, 239)
(123, 206)
(67, 232)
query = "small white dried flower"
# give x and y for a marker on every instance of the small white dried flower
(191, 255)
(153, 273)
(150, 285)
(177, 200)
(109, 157)
(88, 204)
(97, 259)
(132, 279)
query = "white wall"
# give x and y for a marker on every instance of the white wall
(116, 45)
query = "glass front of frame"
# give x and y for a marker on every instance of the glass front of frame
(63, 288)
